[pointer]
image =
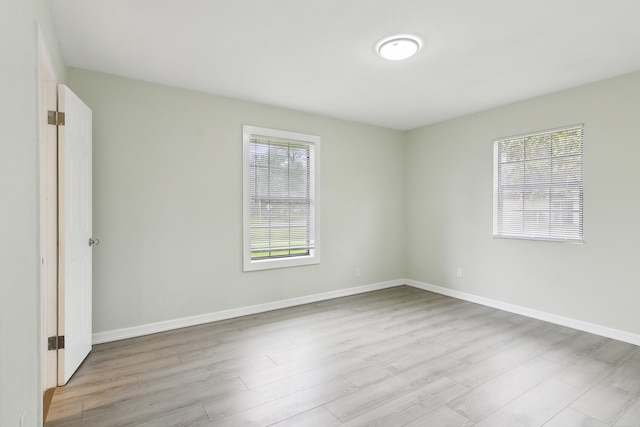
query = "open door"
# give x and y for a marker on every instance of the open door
(75, 232)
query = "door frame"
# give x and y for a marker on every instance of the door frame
(48, 199)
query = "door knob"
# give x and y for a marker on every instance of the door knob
(94, 242)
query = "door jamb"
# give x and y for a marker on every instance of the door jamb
(48, 200)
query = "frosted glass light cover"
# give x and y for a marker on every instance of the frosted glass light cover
(399, 48)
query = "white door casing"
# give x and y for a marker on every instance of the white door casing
(48, 217)
(75, 232)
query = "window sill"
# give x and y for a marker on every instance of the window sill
(268, 264)
(538, 239)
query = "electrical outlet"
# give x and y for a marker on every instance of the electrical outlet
(358, 273)
(459, 273)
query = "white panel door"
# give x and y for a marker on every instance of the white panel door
(75, 200)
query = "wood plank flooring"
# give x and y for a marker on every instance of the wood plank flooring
(396, 357)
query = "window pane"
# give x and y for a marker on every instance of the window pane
(568, 169)
(538, 146)
(512, 173)
(538, 171)
(280, 193)
(567, 143)
(536, 223)
(536, 200)
(512, 223)
(512, 200)
(538, 185)
(512, 150)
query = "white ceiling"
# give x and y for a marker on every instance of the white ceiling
(319, 56)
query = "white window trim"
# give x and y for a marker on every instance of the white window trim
(314, 256)
(496, 233)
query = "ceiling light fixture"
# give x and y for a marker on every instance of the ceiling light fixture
(397, 48)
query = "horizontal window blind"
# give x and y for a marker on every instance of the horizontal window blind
(281, 197)
(538, 185)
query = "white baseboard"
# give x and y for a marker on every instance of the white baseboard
(152, 328)
(592, 328)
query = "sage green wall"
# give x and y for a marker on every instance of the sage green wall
(168, 203)
(20, 360)
(168, 209)
(449, 208)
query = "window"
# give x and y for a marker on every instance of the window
(538, 185)
(281, 201)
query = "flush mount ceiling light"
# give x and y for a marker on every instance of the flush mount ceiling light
(398, 48)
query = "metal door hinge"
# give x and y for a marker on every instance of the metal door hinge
(55, 118)
(56, 343)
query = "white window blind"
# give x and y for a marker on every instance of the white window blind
(538, 185)
(280, 199)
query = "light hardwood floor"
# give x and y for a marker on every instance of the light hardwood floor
(395, 357)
